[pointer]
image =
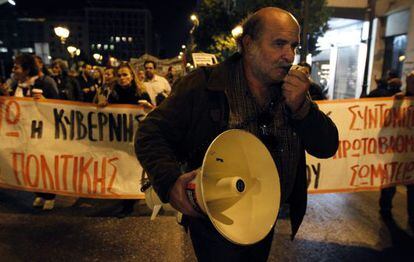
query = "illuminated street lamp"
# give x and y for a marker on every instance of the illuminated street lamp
(237, 31)
(98, 57)
(62, 33)
(72, 50)
(194, 19)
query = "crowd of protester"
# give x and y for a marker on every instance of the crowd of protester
(125, 84)
(85, 83)
(92, 84)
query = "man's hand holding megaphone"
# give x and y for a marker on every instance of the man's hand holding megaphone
(178, 197)
(295, 87)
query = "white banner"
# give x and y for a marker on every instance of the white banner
(79, 149)
(69, 148)
(376, 146)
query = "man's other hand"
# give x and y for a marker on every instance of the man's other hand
(178, 196)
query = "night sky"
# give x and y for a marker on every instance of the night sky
(170, 17)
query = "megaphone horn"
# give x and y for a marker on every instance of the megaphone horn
(237, 187)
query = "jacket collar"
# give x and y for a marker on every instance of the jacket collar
(219, 76)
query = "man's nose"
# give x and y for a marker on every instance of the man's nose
(289, 53)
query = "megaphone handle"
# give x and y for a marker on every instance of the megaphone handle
(191, 195)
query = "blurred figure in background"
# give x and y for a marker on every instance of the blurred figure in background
(157, 86)
(170, 75)
(50, 89)
(387, 86)
(86, 82)
(68, 86)
(391, 86)
(141, 75)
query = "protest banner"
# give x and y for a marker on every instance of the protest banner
(69, 148)
(79, 149)
(376, 147)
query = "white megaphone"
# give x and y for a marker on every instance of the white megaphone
(237, 187)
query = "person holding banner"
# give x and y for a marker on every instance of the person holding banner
(391, 87)
(26, 72)
(252, 90)
(128, 90)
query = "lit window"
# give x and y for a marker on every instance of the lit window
(112, 38)
(117, 39)
(124, 39)
(98, 46)
(105, 47)
(92, 46)
(112, 47)
(3, 50)
(130, 39)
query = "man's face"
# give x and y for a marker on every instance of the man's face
(149, 70)
(271, 55)
(19, 73)
(56, 70)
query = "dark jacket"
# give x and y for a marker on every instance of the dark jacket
(182, 127)
(48, 86)
(69, 88)
(129, 95)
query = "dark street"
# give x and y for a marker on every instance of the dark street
(337, 227)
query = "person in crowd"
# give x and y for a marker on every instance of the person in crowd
(49, 85)
(109, 74)
(141, 75)
(103, 88)
(8, 86)
(26, 73)
(86, 82)
(68, 86)
(128, 90)
(157, 86)
(387, 86)
(391, 86)
(315, 90)
(170, 75)
(252, 90)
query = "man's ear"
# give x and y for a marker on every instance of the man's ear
(247, 43)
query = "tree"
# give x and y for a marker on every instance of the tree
(216, 22)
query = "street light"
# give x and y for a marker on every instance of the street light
(194, 19)
(62, 33)
(72, 50)
(237, 31)
(97, 57)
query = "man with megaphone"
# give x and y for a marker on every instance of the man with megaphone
(256, 90)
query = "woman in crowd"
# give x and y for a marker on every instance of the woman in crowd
(68, 86)
(128, 90)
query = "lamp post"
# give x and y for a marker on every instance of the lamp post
(72, 50)
(196, 22)
(62, 33)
